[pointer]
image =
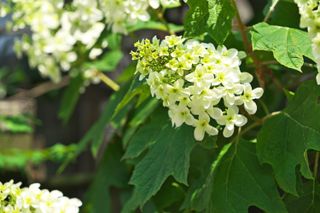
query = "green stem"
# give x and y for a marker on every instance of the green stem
(162, 20)
(242, 29)
(248, 47)
(259, 122)
(270, 11)
(315, 174)
(108, 81)
(316, 165)
(264, 107)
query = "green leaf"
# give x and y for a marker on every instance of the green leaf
(288, 45)
(201, 160)
(16, 123)
(154, 25)
(196, 18)
(285, 14)
(137, 88)
(236, 182)
(96, 133)
(221, 13)
(127, 74)
(213, 16)
(169, 196)
(308, 200)
(108, 62)
(70, 98)
(114, 41)
(146, 135)
(284, 139)
(18, 158)
(142, 113)
(170, 155)
(111, 172)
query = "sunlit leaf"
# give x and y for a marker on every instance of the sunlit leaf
(287, 44)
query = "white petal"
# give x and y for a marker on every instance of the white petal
(190, 120)
(144, 16)
(246, 77)
(230, 127)
(215, 113)
(211, 130)
(257, 93)
(179, 83)
(318, 78)
(232, 53)
(221, 120)
(178, 121)
(247, 88)
(227, 133)
(250, 107)
(232, 110)
(154, 4)
(229, 100)
(240, 120)
(198, 133)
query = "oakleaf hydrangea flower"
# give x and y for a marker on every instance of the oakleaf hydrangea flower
(310, 19)
(202, 86)
(63, 35)
(31, 199)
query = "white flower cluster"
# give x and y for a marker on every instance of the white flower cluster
(65, 35)
(202, 86)
(310, 18)
(119, 13)
(32, 199)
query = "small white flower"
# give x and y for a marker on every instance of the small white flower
(154, 3)
(230, 120)
(248, 96)
(310, 16)
(59, 31)
(13, 199)
(180, 114)
(95, 52)
(176, 90)
(202, 126)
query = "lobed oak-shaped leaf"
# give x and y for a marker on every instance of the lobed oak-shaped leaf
(284, 140)
(168, 156)
(236, 182)
(287, 44)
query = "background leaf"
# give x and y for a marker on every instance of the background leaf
(213, 16)
(308, 200)
(95, 134)
(108, 62)
(236, 182)
(284, 139)
(16, 124)
(70, 98)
